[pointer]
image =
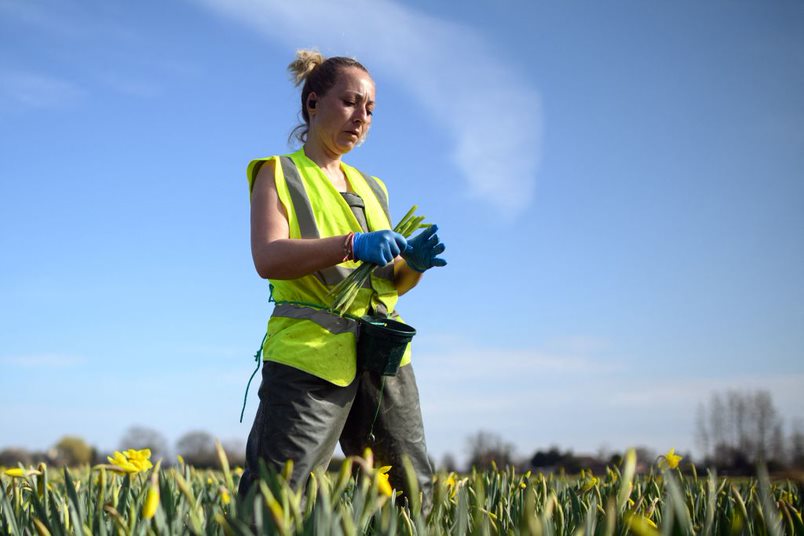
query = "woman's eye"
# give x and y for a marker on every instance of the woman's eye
(348, 103)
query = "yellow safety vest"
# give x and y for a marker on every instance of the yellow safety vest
(300, 333)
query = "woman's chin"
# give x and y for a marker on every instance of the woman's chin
(344, 148)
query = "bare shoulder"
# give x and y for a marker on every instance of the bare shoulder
(264, 180)
(269, 217)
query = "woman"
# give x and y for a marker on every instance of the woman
(312, 219)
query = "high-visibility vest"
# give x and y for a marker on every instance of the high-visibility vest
(301, 333)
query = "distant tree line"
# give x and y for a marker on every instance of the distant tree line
(487, 450)
(740, 429)
(737, 430)
(196, 447)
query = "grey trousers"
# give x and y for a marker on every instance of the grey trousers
(301, 417)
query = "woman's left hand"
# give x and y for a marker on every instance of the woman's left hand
(423, 249)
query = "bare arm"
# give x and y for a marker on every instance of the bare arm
(275, 255)
(405, 278)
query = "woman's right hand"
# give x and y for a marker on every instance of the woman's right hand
(378, 247)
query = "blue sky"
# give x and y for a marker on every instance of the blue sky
(620, 189)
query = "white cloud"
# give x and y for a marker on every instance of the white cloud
(656, 393)
(491, 113)
(510, 364)
(37, 90)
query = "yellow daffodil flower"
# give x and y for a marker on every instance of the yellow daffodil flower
(382, 481)
(130, 461)
(151, 502)
(641, 525)
(613, 476)
(121, 465)
(15, 472)
(18, 472)
(451, 480)
(140, 458)
(226, 497)
(453, 484)
(589, 482)
(670, 460)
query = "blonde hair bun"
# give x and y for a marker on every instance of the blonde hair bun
(306, 61)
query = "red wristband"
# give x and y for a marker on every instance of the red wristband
(348, 247)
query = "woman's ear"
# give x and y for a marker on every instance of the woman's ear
(312, 99)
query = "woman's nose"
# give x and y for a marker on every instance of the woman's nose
(361, 114)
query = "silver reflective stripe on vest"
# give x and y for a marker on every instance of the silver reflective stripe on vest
(331, 322)
(304, 215)
(333, 275)
(379, 193)
(301, 202)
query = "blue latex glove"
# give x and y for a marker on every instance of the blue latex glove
(378, 247)
(422, 250)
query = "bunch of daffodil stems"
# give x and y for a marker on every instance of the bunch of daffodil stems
(346, 291)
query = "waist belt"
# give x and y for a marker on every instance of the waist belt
(330, 321)
(333, 323)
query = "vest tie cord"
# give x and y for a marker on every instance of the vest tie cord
(257, 360)
(258, 353)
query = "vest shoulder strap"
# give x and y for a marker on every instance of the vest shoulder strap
(299, 198)
(379, 193)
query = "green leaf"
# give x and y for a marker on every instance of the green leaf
(123, 496)
(75, 505)
(9, 519)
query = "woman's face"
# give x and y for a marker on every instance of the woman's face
(341, 118)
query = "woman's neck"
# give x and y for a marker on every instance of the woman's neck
(328, 162)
